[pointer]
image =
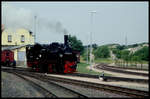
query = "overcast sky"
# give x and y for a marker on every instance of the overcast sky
(112, 22)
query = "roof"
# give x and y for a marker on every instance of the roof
(13, 47)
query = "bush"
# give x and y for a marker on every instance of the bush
(102, 52)
(143, 53)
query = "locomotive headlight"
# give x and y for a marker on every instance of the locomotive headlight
(77, 55)
(40, 55)
(60, 55)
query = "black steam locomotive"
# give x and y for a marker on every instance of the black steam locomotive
(53, 58)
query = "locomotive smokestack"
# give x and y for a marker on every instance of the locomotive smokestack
(66, 40)
(68, 50)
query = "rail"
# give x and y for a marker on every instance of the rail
(61, 91)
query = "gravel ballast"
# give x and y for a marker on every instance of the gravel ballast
(13, 86)
(91, 92)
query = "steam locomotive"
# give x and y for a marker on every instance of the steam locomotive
(7, 58)
(53, 58)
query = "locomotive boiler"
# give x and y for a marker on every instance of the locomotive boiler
(53, 58)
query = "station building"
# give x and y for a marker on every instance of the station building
(17, 41)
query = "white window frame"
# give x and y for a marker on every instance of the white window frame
(9, 38)
(22, 38)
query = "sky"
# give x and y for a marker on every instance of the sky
(113, 22)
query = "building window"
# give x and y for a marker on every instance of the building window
(9, 38)
(22, 38)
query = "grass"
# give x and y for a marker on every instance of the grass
(103, 60)
(82, 68)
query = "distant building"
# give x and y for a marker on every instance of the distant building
(146, 45)
(17, 41)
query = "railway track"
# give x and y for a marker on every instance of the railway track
(108, 88)
(113, 69)
(36, 86)
(131, 68)
(97, 86)
(109, 78)
(56, 91)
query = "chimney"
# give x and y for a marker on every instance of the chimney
(68, 50)
(66, 40)
(2, 27)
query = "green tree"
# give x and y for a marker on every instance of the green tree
(84, 55)
(125, 55)
(143, 53)
(94, 46)
(76, 44)
(140, 55)
(102, 52)
(135, 59)
(121, 47)
(117, 52)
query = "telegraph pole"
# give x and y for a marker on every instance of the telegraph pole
(35, 28)
(87, 54)
(87, 59)
(91, 12)
(126, 40)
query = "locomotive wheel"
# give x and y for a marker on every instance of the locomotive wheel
(32, 68)
(11, 64)
(54, 68)
(42, 68)
(14, 64)
(7, 64)
(61, 69)
(45, 68)
(57, 69)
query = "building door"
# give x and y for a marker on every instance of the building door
(21, 57)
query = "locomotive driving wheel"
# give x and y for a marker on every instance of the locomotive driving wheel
(43, 68)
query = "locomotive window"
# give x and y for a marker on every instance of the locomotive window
(9, 38)
(22, 38)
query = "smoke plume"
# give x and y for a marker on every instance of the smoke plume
(14, 18)
(51, 26)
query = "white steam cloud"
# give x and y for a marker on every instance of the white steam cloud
(51, 26)
(14, 18)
